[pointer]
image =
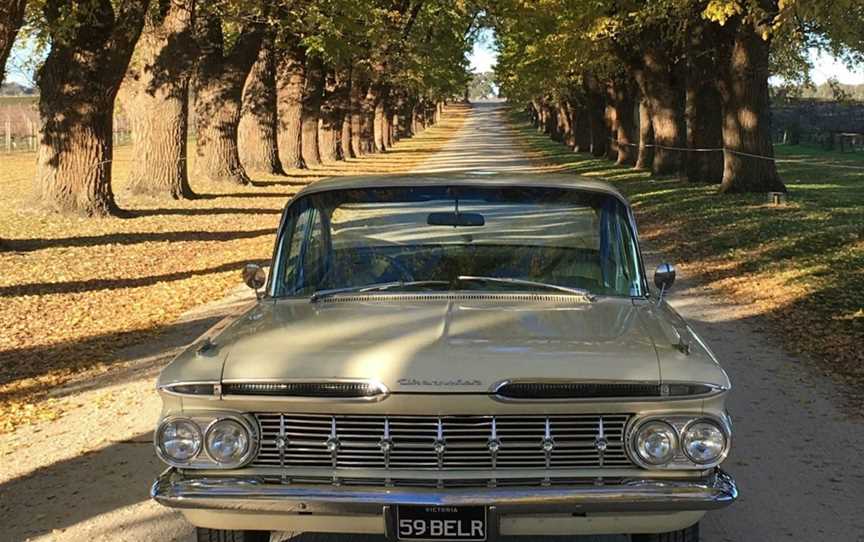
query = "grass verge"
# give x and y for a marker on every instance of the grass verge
(74, 291)
(800, 264)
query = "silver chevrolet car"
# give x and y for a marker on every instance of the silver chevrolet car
(450, 357)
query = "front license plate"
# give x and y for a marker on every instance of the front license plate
(441, 522)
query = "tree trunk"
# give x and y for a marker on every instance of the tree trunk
(596, 107)
(347, 136)
(290, 80)
(74, 164)
(367, 124)
(564, 123)
(77, 85)
(703, 106)
(396, 125)
(219, 82)
(645, 159)
(406, 116)
(552, 122)
(11, 18)
(345, 141)
(581, 127)
(359, 143)
(611, 118)
(665, 85)
(389, 124)
(378, 121)
(535, 111)
(258, 129)
(159, 102)
(625, 110)
(312, 92)
(330, 124)
(416, 118)
(743, 86)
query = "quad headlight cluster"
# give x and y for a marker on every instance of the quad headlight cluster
(219, 441)
(679, 442)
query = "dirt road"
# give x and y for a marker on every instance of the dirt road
(86, 475)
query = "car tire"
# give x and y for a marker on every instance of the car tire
(690, 534)
(221, 535)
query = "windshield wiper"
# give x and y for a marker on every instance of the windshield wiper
(378, 286)
(374, 287)
(522, 282)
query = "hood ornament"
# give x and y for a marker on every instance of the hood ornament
(600, 443)
(548, 443)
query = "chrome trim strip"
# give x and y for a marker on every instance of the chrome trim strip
(382, 391)
(495, 389)
(252, 494)
(168, 388)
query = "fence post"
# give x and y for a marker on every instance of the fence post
(31, 135)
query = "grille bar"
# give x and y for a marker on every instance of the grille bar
(443, 443)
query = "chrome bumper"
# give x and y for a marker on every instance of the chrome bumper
(249, 494)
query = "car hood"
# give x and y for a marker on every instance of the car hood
(456, 344)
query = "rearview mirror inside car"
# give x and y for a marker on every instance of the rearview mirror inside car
(455, 219)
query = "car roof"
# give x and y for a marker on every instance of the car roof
(469, 178)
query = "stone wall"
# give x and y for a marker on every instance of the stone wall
(814, 121)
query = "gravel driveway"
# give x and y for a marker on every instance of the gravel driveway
(86, 475)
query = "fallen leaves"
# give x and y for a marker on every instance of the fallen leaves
(76, 292)
(797, 265)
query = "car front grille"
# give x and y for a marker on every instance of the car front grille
(450, 442)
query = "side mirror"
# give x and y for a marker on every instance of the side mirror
(664, 278)
(254, 276)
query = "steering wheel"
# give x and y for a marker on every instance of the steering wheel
(362, 269)
(392, 264)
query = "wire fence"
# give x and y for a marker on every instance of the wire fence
(800, 161)
(22, 134)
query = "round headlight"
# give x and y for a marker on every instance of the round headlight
(656, 442)
(227, 441)
(179, 440)
(703, 442)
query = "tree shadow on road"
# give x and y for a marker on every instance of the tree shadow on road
(75, 490)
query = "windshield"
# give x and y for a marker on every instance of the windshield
(445, 238)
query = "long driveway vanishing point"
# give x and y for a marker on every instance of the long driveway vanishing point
(796, 454)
